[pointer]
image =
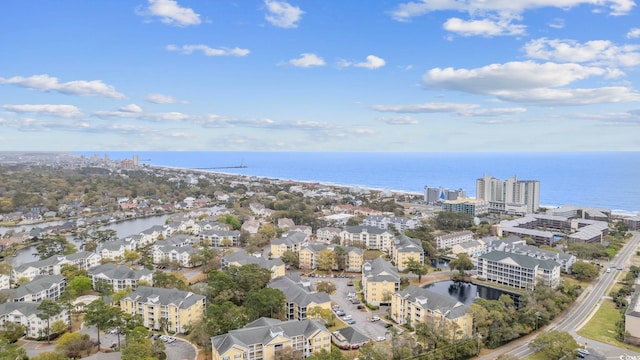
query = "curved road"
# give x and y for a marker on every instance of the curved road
(580, 312)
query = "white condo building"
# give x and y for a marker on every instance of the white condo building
(510, 195)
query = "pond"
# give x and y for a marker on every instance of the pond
(467, 292)
(123, 229)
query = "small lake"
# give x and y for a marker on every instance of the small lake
(123, 229)
(467, 292)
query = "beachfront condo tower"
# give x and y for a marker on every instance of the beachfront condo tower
(511, 196)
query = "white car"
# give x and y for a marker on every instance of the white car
(347, 317)
(381, 338)
(374, 318)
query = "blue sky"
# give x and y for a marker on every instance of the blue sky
(312, 75)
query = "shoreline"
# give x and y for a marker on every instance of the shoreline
(614, 212)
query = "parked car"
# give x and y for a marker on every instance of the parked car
(351, 322)
(381, 338)
(374, 318)
(347, 317)
(360, 307)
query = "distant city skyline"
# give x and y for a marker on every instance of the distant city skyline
(268, 75)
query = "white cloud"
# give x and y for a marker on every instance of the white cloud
(65, 111)
(78, 87)
(400, 120)
(560, 97)
(557, 23)
(484, 27)
(531, 83)
(282, 14)
(208, 51)
(373, 62)
(634, 33)
(502, 8)
(509, 76)
(457, 108)
(307, 60)
(171, 13)
(159, 117)
(596, 52)
(164, 99)
(132, 108)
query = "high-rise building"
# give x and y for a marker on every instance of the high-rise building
(510, 195)
(136, 160)
(434, 195)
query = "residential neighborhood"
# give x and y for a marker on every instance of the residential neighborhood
(253, 268)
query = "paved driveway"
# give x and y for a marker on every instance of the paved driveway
(178, 350)
(363, 324)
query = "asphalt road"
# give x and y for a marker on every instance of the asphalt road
(579, 313)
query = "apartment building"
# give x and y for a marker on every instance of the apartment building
(538, 226)
(404, 248)
(291, 241)
(5, 281)
(367, 237)
(351, 261)
(518, 270)
(116, 249)
(240, 258)
(415, 305)
(447, 241)
(52, 265)
(300, 296)
(220, 238)
(26, 314)
(433, 195)
(327, 234)
(180, 255)
(120, 276)
(473, 207)
(632, 318)
(172, 309)
(264, 338)
(42, 287)
(379, 281)
(386, 222)
(511, 196)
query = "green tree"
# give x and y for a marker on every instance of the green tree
(10, 351)
(99, 314)
(326, 286)
(334, 354)
(326, 259)
(317, 312)
(47, 310)
(290, 258)
(74, 345)
(220, 319)
(50, 355)
(265, 303)
(5, 268)
(101, 236)
(52, 245)
(131, 256)
(453, 221)
(584, 271)
(555, 345)
(231, 220)
(415, 267)
(462, 264)
(12, 331)
(104, 288)
(59, 327)
(70, 271)
(80, 285)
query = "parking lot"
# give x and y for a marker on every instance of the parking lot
(178, 350)
(373, 330)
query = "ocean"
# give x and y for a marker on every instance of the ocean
(595, 179)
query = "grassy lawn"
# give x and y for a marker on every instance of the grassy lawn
(535, 356)
(372, 254)
(571, 281)
(602, 326)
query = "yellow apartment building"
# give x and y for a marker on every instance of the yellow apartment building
(380, 280)
(404, 248)
(415, 305)
(172, 309)
(240, 258)
(265, 337)
(300, 296)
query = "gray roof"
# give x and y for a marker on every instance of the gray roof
(240, 256)
(291, 238)
(534, 250)
(25, 308)
(179, 298)
(263, 331)
(433, 301)
(403, 243)
(52, 260)
(295, 292)
(37, 285)
(367, 229)
(522, 260)
(381, 270)
(353, 336)
(119, 272)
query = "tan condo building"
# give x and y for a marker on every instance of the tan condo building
(264, 338)
(172, 309)
(380, 281)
